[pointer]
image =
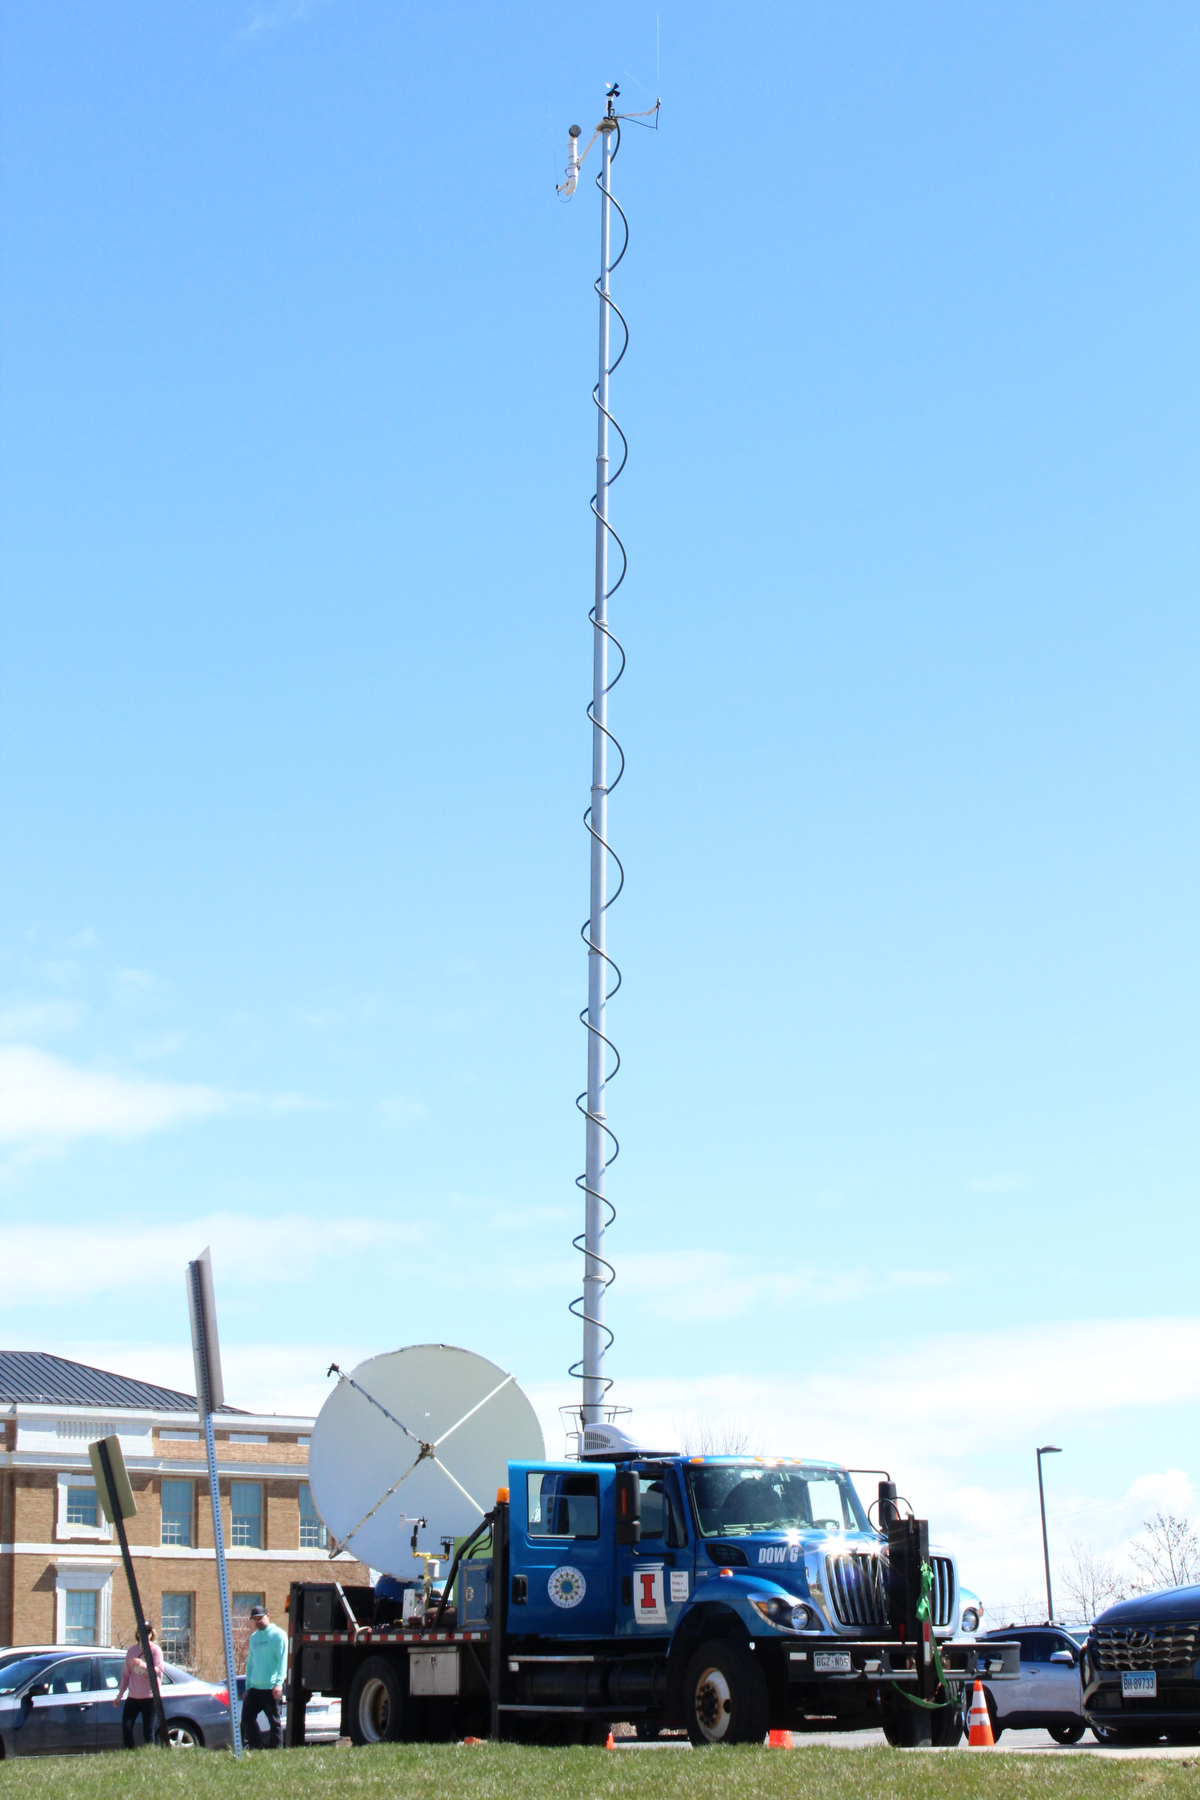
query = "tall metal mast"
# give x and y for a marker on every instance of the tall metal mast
(595, 1336)
(602, 1145)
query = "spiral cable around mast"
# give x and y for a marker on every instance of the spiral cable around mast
(578, 1306)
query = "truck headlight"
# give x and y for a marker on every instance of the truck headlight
(784, 1613)
(970, 1619)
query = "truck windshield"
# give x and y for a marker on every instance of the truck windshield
(732, 1499)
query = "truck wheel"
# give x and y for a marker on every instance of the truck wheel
(725, 1696)
(945, 1727)
(377, 1703)
(1066, 1734)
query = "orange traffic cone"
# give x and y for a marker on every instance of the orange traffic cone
(471, 1740)
(608, 1742)
(980, 1736)
(779, 1740)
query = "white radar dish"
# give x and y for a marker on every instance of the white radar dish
(416, 1439)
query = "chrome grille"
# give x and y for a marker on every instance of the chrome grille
(1149, 1647)
(942, 1597)
(858, 1593)
(856, 1589)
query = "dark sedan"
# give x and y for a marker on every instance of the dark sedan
(1141, 1670)
(56, 1702)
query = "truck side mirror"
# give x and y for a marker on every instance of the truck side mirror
(629, 1507)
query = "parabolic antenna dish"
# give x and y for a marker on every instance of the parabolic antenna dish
(423, 1433)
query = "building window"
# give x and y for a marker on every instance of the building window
(81, 1510)
(245, 1505)
(81, 1616)
(83, 1602)
(176, 1512)
(312, 1532)
(78, 1513)
(177, 1627)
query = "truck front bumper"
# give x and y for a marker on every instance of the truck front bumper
(836, 1659)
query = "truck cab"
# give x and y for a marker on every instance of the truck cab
(654, 1559)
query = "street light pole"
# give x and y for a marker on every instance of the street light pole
(1046, 1450)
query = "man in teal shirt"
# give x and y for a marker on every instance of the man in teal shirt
(266, 1666)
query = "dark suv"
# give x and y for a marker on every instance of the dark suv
(1141, 1669)
(1046, 1696)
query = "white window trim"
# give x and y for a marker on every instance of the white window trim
(71, 1577)
(100, 1533)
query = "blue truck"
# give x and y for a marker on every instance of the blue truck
(722, 1595)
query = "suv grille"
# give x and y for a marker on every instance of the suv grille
(858, 1596)
(1153, 1647)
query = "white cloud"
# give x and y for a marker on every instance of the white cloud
(44, 1098)
(40, 1018)
(939, 1400)
(274, 17)
(133, 987)
(46, 1102)
(684, 1286)
(69, 1262)
(693, 1284)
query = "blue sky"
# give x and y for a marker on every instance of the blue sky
(295, 454)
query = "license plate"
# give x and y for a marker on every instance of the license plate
(1139, 1686)
(831, 1662)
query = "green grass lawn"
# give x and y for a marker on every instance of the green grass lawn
(497, 1772)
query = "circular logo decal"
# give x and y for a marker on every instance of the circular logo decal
(567, 1586)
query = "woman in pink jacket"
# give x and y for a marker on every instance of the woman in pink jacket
(141, 1699)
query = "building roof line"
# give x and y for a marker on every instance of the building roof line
(34, 1377)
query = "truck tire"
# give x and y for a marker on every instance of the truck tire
(1067, 1734)
(945, 1727)
(725, 1696)
(377, 1703)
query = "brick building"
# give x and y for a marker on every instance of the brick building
(61, 1580)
